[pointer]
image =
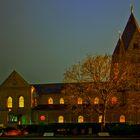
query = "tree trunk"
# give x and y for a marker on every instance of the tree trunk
(103, 123)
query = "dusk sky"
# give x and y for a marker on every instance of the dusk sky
(40, 39)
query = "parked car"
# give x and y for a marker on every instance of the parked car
(11, 131)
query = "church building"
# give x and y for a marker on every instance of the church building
(25, 103)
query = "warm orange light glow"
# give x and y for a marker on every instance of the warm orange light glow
(61, 101)
(21, 101)
(80, 119)
(96, 100)
(61, 119)
(114, 100)
(42, 118)
(9, 102)
(122, 119)
(32, 89)
(100, 118)
(80, 101)
(50, 101)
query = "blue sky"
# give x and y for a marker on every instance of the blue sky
(40, 39)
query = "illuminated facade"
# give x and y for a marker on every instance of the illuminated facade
(24, 103)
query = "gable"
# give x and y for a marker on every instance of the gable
(129, 40)
(119, 51)
(130, 29)
(14, 80)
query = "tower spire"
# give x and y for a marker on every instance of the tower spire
(132, 7)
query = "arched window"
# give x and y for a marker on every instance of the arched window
(96, 100)
(114, 100)
(21, 101)
(50, 101)
(80, 101)
(61, 101)
(122, 119)
(60, 119)
(80, 119)
(100, 118)
(9, 102)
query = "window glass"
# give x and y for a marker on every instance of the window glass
(122, 119)
(42, 118)
(80, 119)
(9, 102)
(61, 101)
(13, 118)
(80, 101)
(96, 100)
(50, 101)
(21, 101)
(114, 100)
(60, 119)
(100, 118)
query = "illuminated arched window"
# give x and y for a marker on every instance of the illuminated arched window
(80, 119)
(61, 101)
(122, 119)
(80, 101)
(9, 102)
(50, 101)
(114, 100)
(96, 100)
(60, 119)
(100, 118)
(21, 101)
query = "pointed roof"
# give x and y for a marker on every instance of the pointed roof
(119, 50)
(119, 47)
(14, 80)
(124, 40)
(129, 30)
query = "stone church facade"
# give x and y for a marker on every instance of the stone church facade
(24, 103)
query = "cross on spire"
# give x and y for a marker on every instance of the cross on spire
(132, 7)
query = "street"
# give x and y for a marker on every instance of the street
(70, 138)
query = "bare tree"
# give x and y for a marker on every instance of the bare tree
(88, 78)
